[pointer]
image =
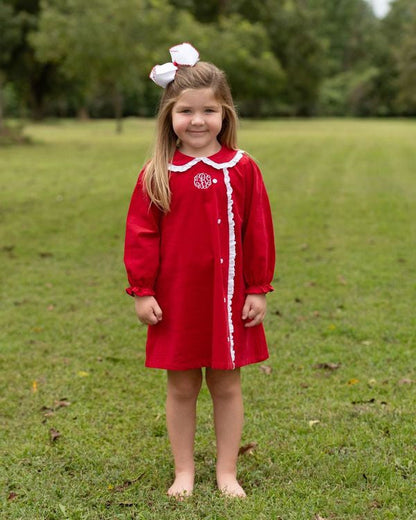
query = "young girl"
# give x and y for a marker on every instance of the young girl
(199, 254)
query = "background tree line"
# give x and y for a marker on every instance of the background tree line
(282, 57)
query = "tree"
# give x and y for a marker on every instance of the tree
(288, 49)
(105, 46)
(10, 29)
(291, 26)
(243, 51)
(32, 81)
(354, 59)
(400, 27)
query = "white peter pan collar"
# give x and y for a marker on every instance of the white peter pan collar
(207, 160)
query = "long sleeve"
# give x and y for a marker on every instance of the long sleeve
(258, 236)
(142, 243)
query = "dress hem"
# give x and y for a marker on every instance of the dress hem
(206, 365)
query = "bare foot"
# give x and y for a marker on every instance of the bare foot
(229, 486)
(183, 485)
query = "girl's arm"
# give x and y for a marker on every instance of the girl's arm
(142, 243)
(258, 238)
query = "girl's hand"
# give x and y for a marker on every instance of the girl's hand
(147, 310)
(254, 309)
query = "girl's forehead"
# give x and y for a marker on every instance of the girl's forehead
(197, 95)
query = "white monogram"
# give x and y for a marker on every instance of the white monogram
(202, 181)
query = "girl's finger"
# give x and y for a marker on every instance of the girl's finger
(245, 312)
(255, 321)
(158, 312)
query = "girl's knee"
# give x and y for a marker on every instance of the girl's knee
(184, 384)
(223, 384)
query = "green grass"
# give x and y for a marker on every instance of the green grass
(343, 195)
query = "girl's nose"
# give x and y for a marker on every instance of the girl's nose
(197, 119)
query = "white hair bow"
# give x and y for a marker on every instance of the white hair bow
(183, 55)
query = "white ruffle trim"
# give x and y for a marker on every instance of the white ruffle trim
(231, 262)
(206, 160)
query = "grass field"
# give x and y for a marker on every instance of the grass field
(82, 430)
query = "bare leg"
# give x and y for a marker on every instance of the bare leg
(225, 389)
(182, 394)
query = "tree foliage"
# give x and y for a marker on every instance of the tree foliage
(282, 57)
(10, 34)
(401, 25)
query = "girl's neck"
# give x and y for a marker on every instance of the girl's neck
(205, 152)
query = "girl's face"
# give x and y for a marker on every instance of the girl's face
(197, 121)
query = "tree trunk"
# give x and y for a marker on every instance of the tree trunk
(118, 109)
(83, 114)
(1, 106)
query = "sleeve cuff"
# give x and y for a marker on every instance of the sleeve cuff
(140, 291)
(259, 289)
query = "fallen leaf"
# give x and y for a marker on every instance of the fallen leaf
(353, 381)
(248, 449)
(375, 504)
(314, 423)
(62, 403)
(327, 366)
(266, 369)
(82, 373)
(12, 496)
(20, 302)
(369, 401)
(51, 307)
(342, 280)
(34, 387)
(54, 434)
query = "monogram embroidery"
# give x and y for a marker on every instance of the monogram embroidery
(202, 181)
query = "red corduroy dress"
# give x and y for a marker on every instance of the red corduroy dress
(201, 259)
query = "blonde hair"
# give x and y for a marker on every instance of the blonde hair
(201, 75)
